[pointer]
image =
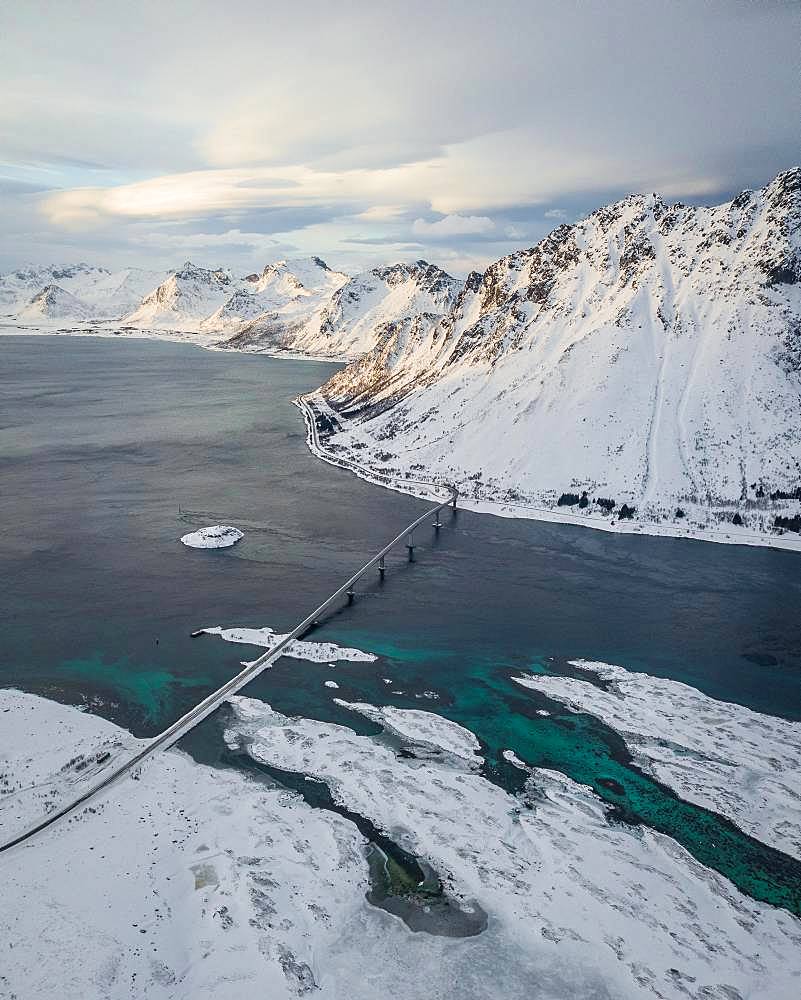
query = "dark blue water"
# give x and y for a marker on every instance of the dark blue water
(110, 450)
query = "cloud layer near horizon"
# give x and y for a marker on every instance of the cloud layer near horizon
(367, 132)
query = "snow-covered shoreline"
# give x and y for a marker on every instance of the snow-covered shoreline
(206, 342)
(200, 881)
(722, 756)
(725, 534)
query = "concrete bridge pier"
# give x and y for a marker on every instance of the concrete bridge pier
(203, 709)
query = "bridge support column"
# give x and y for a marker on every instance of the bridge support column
(351, 597)
(410, 547)
(437, 523)
(381, 567)
(453, 502)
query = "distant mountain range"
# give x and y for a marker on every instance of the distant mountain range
(91, 292)
(649, 355)
(294, 305)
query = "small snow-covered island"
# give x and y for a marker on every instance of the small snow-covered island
(218, 536)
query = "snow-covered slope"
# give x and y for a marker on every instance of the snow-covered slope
(286, 291)
(185, 298)
(119, 292)
(362, 312)
(52, 303)
(94, 292)
(650, 354)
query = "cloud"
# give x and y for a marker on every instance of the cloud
(454, 225)
(190, 241)
(350, 123)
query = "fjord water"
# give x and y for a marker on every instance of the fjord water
(111, 449)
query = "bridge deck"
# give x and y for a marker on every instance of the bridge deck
(196, 715)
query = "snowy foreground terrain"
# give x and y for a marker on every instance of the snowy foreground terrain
(195, 881)
(637, 371)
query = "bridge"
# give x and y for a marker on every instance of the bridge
(197, 714)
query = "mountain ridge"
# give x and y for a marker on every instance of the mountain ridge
(647, 357)
(649, 354)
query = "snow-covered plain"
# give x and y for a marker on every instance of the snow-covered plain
(722, 756)
(217, 536)
(196, 882)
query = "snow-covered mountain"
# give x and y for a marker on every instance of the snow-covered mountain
(647, 356)
(360, 312)
(184, 299)
(95, 292)
(52, 303)
(650, 354)
(18, 288)
(286, 289)
(296, 305)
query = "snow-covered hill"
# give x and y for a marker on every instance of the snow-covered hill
(360, 313)
(52, 303)
(648, 355)
(184, 299)
(285, 292)
(94, 292)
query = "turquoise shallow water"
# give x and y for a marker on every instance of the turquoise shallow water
(109, 451)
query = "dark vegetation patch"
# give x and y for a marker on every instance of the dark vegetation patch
(788, 523)
(786, 495)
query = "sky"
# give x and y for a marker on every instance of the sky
(233, 134)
